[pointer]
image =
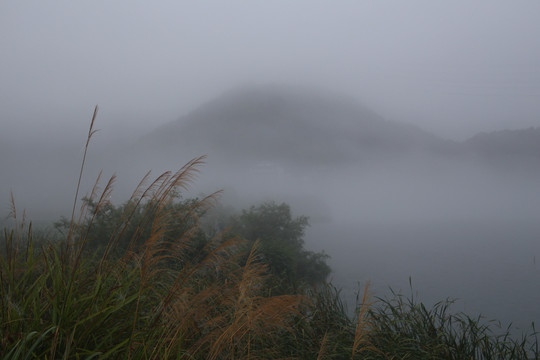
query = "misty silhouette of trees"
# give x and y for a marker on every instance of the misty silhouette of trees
(129, 225)
(281, 240)
(281, 236)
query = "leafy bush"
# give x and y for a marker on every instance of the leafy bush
(282, 244)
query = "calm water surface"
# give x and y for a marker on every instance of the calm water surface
(491, 268)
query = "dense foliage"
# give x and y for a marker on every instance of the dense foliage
(280, 236)
(282, 244)
(127, 227)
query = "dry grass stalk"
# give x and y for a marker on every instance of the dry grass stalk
(322, 348)
(362, 329)
(91, 133)
(249, 317)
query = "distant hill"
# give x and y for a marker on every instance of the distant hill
(290, 126)
(523, 142)
(517, 150)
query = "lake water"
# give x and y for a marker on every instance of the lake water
(491, 268)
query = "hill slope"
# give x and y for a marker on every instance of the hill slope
(510, 149)
(289, 126)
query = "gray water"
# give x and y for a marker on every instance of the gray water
(489, 268)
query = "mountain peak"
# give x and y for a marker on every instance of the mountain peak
(288, 124)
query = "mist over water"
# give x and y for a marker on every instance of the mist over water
(456, 226)
(464, 235)
(474, 263)
(363, 116)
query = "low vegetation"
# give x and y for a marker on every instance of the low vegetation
(149, 280)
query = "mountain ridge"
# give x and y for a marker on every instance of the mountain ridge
(286, 124)
(294, 126)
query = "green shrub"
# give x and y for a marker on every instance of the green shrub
(282, 245)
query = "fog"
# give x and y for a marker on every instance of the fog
(363, 116)
(454, 67)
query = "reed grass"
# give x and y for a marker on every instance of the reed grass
(401, 327)
(58, 302)
(61, 300)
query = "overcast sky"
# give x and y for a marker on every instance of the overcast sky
(452, 67)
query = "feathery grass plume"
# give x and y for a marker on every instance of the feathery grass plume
(135, 201)
(91, 312)
(249, 322)
(194, 297)
(362, 328)
(154, 250)
(150, 193)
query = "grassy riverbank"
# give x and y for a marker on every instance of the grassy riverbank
(150, 280)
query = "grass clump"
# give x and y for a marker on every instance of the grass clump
(156, 297)
(403, 328)
(144, 288)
